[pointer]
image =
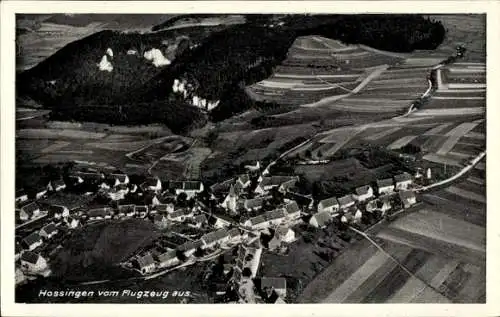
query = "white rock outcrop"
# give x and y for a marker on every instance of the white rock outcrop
(105, 65)
(156, 56)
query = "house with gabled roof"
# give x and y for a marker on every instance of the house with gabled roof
(33, 262)
(190, 247)
(41, 192)
(120, 179)
(256, 223)
(269, 182)
(330, 205)
(292, 210)
(56, 185)
(29, 211)
(352, 216)
(168, 259)
(285, 234)
(403, 181)
(72, 223)
(215, 237)
(145, 263)
(244, 180)
(99, 213)
(385, 186)
(152, 184)
(181, 215)
(408, 198)
(254, 204)
(346, 201)
(57, 211)
(32, 241)
(48, 231)
(363, 193)
(320, 219)
(190, 188)
(235, 235)
(275, 217)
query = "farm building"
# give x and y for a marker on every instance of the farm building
(269, 182)
(145, 263)
(152, 184)
(320, 219)
(33, 263)
(346, 202)
(403, 181)
(116, 195)
(57, 212)
(234, 235)
(21, 196)
(220, 221)
(330, 205)
(189, 248)
(254, 204)
(256, 223)
(292, 210)
(29, 211)
(213, 238)
(32, 241)
(41, 192)
(190, 188)
(408, 198)
(372, 205)
(167, 259)
(89, 177)
(276, 284)
(385, 186)
(384, 204)
(275, 217)
(363, 193)
(57, 185)
(49, 231)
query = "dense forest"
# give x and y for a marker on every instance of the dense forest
(223, 62)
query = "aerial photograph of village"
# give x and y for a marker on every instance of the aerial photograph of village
(250, 158)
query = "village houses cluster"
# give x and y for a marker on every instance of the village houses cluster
(233, 213)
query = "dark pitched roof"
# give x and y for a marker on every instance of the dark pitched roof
(190, 245)
(385, 182)
(214, 236)
(159, 218)
(169, 255)
(141, 208)
(32, 238)
(200, 219)
(344, 200)
(329, 202)
(126, 208)
(406, 194)
(273, 282)
(50, 228)
(254, 203)
(150, 182)
(276, 180)
(234, 232)
(244, 178)
(322, 218)
(292, 207)
(99, 212)
(257, 220)
(191, 185)
(30, 208)
(145, 260)
(275, 214)
(120, 177)
(164, 207)
(402, 177)
(362, 190)
(30, 257)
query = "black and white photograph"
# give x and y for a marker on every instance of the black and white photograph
(250, 158)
